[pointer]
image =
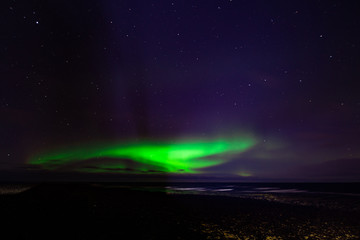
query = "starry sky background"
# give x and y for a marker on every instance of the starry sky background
(286, 72)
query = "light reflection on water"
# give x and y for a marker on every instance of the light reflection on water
(8, 189)
(287, 195)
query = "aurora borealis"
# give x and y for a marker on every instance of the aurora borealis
(239, 90)
(183, 157)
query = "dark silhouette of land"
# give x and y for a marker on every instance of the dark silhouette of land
(90, 211)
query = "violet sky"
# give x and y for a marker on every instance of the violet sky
(286, 72)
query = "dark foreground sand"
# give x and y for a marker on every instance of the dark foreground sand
(82, 211)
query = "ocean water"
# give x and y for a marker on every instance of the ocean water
(245, 188)
(342, 196)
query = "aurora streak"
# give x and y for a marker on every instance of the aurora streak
(168, 157)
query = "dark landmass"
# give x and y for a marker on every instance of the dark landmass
(90, 211)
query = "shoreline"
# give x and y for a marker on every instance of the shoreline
(87, 212)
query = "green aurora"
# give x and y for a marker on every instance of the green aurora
(144, 157)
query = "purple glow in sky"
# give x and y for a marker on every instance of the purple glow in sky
(96, 72)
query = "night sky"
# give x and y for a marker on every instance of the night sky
(245, 90)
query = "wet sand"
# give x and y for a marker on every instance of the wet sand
(84, 211)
